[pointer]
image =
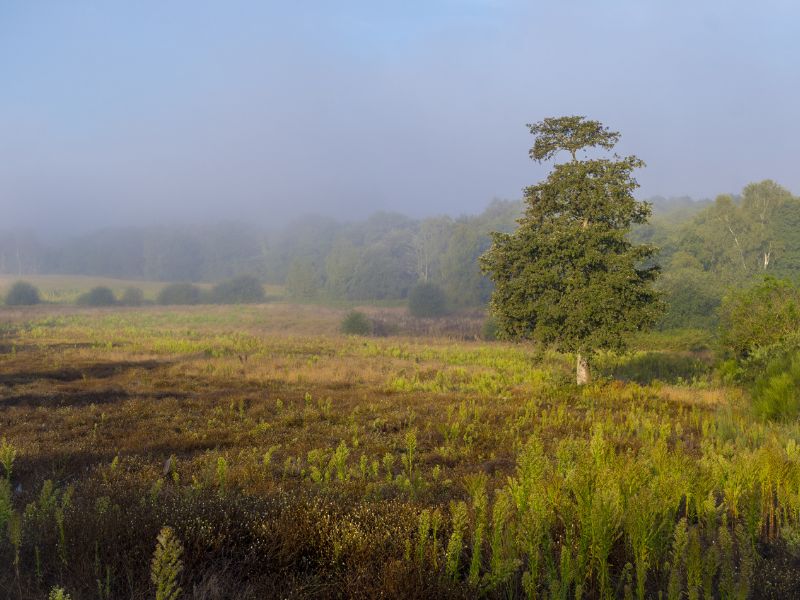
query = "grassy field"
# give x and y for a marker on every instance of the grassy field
(291, 461)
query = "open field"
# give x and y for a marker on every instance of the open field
(292, 461)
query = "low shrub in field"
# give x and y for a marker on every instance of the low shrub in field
(356, 323)
(179, 293)
(762, 320)
(776, 393)
(97, 296)
(489, 329)
(132, 297)
(22, 293)
(427, 300)
(244, 289)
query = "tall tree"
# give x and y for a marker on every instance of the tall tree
(569, 276)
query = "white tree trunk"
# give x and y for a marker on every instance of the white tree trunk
(582, 370)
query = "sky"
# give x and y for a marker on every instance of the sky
(148, 112)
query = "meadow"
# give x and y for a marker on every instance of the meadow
(256, 452)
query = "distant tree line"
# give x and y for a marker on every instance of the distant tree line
(706, 249)
(712, 248)
(379, 258)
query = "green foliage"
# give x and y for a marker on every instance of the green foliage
(572, 134)
(8, 453)
(167, 565)
(58, 593)
(427, 300)
(132, 296)
(692, 294)
(22, 293)
(97, 296)
(764, 318)
(569, 276)
(489, 329)
(243, 289)
(458, 515)
(179, 294)
(356, 323)
(303, 280)
(776, 391)
(6, 507)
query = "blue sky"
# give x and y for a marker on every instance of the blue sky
(143, 112)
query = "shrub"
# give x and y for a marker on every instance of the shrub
(179, 293)
(244, 289)
(489, 329)
(97, 296)
(427, 300)
(22, 293)
(132, 297)
(356, 323)
(765, 315)
(776, 393)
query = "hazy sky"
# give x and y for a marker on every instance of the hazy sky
(114, 112)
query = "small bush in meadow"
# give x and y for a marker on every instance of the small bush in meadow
(356, 323)
(97, 296)
(244, 289)
(760, 319)
(489, 329)
(776, 393)
(132, 297)
(427, 300)
(179, 293)
(22, 293)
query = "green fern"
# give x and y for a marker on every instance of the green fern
(7, 456)
(58, 593)
(167, 565)
(458, 512)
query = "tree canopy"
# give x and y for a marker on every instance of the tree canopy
(569, 276)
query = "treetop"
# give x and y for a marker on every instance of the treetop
(573, 133)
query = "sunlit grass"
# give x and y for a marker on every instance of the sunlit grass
(366, 466)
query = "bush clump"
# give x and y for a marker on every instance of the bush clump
(356, 323)
(132, 297)
(763, 316)
(776, 393)
(179, 293)
(97, 296)
(489, 329)
(22, 293)
(244, 289)
(427, 300)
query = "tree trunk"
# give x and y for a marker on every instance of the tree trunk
(582, 370)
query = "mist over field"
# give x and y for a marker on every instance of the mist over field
(191, 112)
